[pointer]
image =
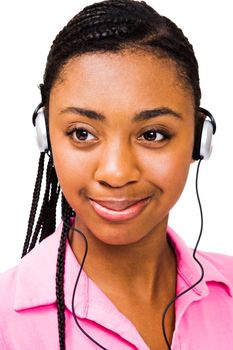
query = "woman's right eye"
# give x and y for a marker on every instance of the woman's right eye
(80, 135)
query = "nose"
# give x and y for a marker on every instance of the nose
(118, 165)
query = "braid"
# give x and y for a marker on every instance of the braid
(40, 220)
(50, 214)
(46, 221)
(35, 200)
(66, 214)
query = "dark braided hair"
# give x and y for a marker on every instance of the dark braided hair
(66, 214)
(107, 26)
(46, 221)
(114, 25)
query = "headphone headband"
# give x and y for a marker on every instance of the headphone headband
(35, 113)
(210, 116)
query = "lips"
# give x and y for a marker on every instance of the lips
(130, 211)
(118, 205)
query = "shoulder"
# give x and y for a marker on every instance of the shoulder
(7, 283)
(8, 275)
(26, 287)
(217, 267)
(221, 262)
(7, 290)
(216, 258)
(30, 272)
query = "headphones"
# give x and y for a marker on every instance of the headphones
(204, 130)
(39, 120)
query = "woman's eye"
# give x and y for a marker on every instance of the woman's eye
(80, 135)
(155, 135)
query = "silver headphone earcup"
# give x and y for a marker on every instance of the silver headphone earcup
(206, 139)
(41, 131)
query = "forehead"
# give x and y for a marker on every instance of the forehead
(121, 79)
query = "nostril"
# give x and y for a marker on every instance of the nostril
(116, 185)
(104, 183)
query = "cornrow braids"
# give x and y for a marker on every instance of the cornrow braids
(66, 214)
(115, 25)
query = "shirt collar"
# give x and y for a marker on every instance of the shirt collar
(36, 275)
(190, 271)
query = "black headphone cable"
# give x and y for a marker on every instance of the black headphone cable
(194, 257)
(76, 284)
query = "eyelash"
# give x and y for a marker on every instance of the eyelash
(75, 130)
(165, 134)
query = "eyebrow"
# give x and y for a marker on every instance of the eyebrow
(143, 115)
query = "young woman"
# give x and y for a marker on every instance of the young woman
(120, 123)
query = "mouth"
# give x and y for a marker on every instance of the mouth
(119, 210)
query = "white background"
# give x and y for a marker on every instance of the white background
(27, 29)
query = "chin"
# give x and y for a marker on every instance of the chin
(118, 237)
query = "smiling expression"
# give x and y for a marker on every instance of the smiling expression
(121, 127)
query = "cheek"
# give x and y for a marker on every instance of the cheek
(168, 172)
(74, 168)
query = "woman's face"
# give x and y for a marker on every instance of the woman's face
(108, 148)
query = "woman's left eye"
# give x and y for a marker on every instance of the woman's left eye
(154, 135)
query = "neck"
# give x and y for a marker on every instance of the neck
(145, 269)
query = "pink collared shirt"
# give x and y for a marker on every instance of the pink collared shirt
(28, 315)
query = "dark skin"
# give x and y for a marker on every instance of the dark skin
(130, 260)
